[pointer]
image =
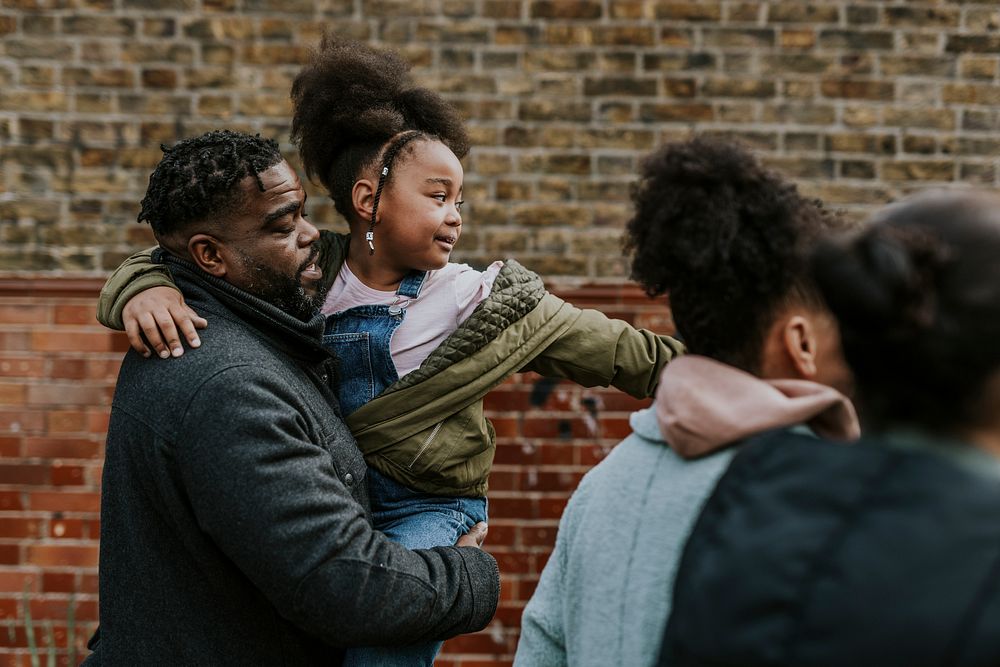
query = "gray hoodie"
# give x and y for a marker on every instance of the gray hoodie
(604, 595)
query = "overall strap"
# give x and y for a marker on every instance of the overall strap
(411, 284)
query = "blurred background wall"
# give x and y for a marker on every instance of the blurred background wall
(859, 101)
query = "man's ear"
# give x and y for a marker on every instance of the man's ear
(801, 345)
(363, 198)
(206, 251)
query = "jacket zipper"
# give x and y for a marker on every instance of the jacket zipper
(427, 442)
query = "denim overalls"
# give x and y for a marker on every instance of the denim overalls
(360, 339)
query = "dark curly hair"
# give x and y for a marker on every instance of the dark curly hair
(199, 178)
(349, 101)
(917, 296)
(724, 237)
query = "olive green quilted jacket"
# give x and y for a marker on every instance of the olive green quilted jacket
(428, 430)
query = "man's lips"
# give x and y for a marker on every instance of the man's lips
(312, 272)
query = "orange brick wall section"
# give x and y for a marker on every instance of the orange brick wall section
(57, 375)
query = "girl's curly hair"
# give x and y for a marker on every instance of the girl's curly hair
(724, 237)
(349, 101)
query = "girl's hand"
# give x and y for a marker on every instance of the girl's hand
(156, 313)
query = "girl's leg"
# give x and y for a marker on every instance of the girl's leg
(417, 521)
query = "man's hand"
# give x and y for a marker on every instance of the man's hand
(156, 313)
(475, 537)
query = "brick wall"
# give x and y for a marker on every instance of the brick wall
(860, 100)
(57, 374)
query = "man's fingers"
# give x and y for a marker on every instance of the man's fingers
(135, 338)
(152, 333)
(475, 536)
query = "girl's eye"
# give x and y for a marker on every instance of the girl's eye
(440, 197)
(459, 204)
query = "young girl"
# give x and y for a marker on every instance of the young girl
(420, 340)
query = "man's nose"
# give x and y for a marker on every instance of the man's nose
(308, 234)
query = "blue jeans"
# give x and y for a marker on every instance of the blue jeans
(417, 521)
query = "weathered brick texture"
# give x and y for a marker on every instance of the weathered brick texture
(57, 373)
(861, 102)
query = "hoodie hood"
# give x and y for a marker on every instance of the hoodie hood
(703, 405)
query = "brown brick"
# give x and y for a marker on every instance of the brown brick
(940, 119)
(33, 101)
(869, 90)
(554, 110)
(159, 27)
(799, 113)
(797, 39)
(49, 49)
(667, 113)
(630, 36)
(38, 24)
(861, 15)
(920, 144)
(37, 77)
(798, 62)
(565, 9)
(676, 37)
(979, 68)
(856, 39)
(745, 12)
(231, 27)
(748, 38)
(981, 19)
(801, 167)
(971, 93)
(672, 62)
(294, 6)
(630, 9)
(502, 9)
(922, 17)
(98, 77)
(619, 86)
(720, 87)
(8, 24)
(923, 170)
(687, 11)
(973, 44)
(554, 215)
(801, 12)
(984, 173)
(107, 26)
(679, 87)
(882, 144)
(175, 54)
(893, 65)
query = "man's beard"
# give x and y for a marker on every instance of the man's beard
(283, 291)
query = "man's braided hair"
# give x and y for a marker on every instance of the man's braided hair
(349, 101)
(199, 178)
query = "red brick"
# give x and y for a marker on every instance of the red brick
(67, 421)
(63, 394)
(68, 529)
(21, 421)
(64, 501)
(10, 501)
(24, 473)
(10, 447)
(67, 475)
(59, 582)
(10, 554)
(62, 555)
(72, 341)
(62, 448)
(13, 528)
(15, 340)
(68, 369)
(15, 581)
(21, 367)
(72, 313)
(20, 313)
(12, 393)
(521, 508)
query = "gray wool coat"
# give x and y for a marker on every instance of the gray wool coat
(235, 526)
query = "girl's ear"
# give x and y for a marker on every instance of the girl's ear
(363, 199)
(206, 251)
(801, 345)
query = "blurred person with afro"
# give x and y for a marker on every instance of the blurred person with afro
(724, 237)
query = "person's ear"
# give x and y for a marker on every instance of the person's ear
(363, 199)
(801, 345)
(206, 251)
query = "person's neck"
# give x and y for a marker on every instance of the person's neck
(368, 269)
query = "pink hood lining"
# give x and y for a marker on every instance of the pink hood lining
(703, 405)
